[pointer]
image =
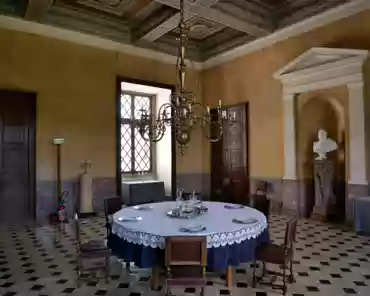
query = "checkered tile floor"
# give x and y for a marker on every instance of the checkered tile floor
(37, 260)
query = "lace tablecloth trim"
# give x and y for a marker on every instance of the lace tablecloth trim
(214, 240)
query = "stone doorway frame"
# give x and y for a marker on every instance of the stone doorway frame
(323, 68)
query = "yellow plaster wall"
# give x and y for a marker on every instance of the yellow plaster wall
(75, 88)
(76, 92)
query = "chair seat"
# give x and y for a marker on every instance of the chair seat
(93, 246)
(272, 253)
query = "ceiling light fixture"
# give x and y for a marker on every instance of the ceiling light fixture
(183, 113)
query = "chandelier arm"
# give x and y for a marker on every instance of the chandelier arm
(162, 109)
(153, 133)
(208, 135)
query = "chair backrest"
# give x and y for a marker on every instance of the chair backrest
(261, 203)
(290, 232)
(186, 251)
(77, 230)
(112, 205)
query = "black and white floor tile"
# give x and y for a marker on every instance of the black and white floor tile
(38, 260)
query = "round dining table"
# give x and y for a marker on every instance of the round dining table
(233, 232)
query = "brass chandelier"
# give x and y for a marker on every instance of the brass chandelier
(183, 113)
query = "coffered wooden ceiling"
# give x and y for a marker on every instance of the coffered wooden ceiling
(215, 25)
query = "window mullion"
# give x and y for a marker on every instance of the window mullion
(133, 135)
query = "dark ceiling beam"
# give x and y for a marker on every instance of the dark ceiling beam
(37, 9)
(139, 6)
(171, 23)
(296, 14)
(247, 12)
(202, 8)
(232, 22)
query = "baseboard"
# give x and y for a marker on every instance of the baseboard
(289, 212)
(87, 215)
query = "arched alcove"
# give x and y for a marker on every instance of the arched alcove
(315, 113)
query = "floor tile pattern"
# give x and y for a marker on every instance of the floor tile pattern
(39, 260)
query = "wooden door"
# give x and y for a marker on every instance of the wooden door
(17, 156)
(229, 160)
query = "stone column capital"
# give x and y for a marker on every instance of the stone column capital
(355, 85)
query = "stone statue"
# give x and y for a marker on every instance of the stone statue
(324, 145)
(325, 200)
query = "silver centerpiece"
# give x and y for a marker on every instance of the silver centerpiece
(187, 209)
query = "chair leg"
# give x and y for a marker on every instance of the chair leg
(128, 266)
(78, 270)
(291, 275)
(154, 279)
(284, 279)
(229, 277)
(263, 269)
(107, 269)
(254, 274)
(202, 291)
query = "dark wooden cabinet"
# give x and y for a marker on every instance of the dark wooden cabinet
(229, 160)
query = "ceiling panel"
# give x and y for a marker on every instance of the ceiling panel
(110, 6)
(214, 25)
(200, 28)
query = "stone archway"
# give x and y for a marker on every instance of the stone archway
(316, 69)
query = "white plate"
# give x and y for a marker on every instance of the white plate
(143, 207)
(245, 221)
(196, 228)
(130, 219)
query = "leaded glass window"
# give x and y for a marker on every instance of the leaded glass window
(136, 153)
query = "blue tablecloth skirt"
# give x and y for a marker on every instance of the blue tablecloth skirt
(218, 258)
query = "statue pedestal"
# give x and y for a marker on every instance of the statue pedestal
(86, 206)
(324, 198)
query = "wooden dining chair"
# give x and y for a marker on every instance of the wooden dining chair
(111, 206)
(261, 203)
(92, 250)
(186, 261)
(259, 199)
(278, 254)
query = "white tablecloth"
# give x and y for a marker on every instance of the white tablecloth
(155, 225)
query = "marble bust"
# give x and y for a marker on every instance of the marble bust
(324, 145)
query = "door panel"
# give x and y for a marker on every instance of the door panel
(229, 160)
(17, 156)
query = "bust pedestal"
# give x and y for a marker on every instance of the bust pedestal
(324, 197)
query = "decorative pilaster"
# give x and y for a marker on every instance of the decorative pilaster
(291, 192)
(290, 163)
(357, 185)
(357, 154)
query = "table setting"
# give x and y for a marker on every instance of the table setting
(232, 231)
